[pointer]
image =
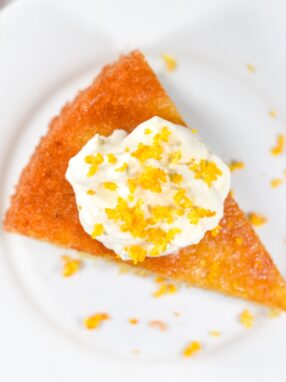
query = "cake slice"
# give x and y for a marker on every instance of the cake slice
(124, 94)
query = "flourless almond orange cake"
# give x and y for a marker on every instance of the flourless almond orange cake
(231, 260)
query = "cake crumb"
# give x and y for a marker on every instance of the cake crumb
(246, 319)
(177, 314)
(170, 62)
(158, 324)
(274, 312)
(256, 219)
(141, 272)
(165, 289)
(192, 348)
(280, 144)
(272, 114)
(236, 165)
(251, 68)
(159, 279)
(123, 269)
(133, 321)
(214, 333)
(70, 266)
(276, 182)
(94, 321)
(135, 351)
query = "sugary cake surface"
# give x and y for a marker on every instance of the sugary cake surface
(126, 93)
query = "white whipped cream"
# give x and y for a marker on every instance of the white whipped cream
(178, 184)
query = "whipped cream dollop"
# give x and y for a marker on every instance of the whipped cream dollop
(150, 192)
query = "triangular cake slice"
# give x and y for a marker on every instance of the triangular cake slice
(123, 95)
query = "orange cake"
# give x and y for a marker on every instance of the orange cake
(232, 261)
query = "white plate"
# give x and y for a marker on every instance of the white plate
(51, 49)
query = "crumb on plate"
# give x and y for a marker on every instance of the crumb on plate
(192, 348)
(159, 279)
(274, 312)
(70, 265)
(236, 165)
(276, 182)
(256, 219)
(246, 318)
(170, 62)
(141, 272)
(94, 321)
(158, 324)
(272, 113)
(167, 288)
(280, 144)
(214, 333)
(251, 68)
(123, 269)
(133, 321)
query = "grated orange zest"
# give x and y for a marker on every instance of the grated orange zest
(133, 321)
(162, 136)
(214, 333)
(236, 165)
(147, 131)
(111, 158)
(276, 182)
(192, 348)
(94, 161)
(280, 145)
(164, 289)
(272, 113)
(94, 321)
(175, 156)
(256, 219)
(274, 313)
(98, 230)
(151, 178)
(136, 253)
(197, 213)
(162, 214)
(170, 62)
(145, 152)
(205, 170)
(246, 319)
(251, 68)
(176, 178)
(70, 266)
(110, 186)
(122, 168)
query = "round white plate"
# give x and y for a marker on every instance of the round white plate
(51, 49)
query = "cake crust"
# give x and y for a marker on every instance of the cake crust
(125, 94)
